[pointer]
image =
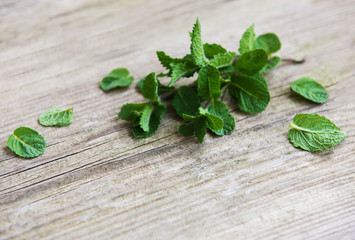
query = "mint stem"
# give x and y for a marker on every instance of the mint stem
(293, 60)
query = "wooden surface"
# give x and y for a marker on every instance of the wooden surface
(95, 181)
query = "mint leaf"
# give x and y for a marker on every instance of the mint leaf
(310, 89)
(198, 124)
(186, 101)
(312, 132)
(117, 78)
(129, 111)
(269, 42)
(272, 63)
(208, 83)
(150, 87)
(251, 93)
(56, 117)
(247, 42)
(222, 59)
(166, 60)
(161, 87)
(197, 127)
(196, 48)
(26, 142)
(219, 109)
(213, 49)
(184, 69)
(145, 117)
(251, 62)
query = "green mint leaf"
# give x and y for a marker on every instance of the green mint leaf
(161, 87)
(117, 78)
(272, 63)
(187, 129)
(213, 49)
(26, 142)
(184, 69)
(312, 132)
(247, 42)
(251, 93)
(214, 122)
(166, 60)
(219, 109)
(56, 117)
(145, 117)
(129, 111)
(221, 60)
(269, 42)
(251, 62)
(310, 89)
(196, 48)
(186, 101)
(154, 121)
(200, 129)
(150, 87)
(208, 83)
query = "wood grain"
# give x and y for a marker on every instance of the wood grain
(95, 181)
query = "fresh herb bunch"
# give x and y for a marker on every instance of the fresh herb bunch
(200, 103)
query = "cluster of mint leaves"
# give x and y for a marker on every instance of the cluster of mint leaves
(200, 104)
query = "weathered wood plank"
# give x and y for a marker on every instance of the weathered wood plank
(95, 181)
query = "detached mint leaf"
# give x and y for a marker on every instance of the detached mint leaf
(312, 132)
(310, 89)
(251, 93)
(186, 101)
(117, 78)
(272, 63)
(269, 42)
(150, 87)
(213, 49)
(222, 59)
(247, 42)
(56, 117)
(208, 83)
(219, 109)
(26, 142)
(251, 62)
(196, 48)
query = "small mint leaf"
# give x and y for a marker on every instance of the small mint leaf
(272, 63)
(310, 89)
(208, 82)
(251, 62)
(270, 42)
(219, 109)
(183, 69)
(186, 101)
(56, 117)
(196, 47)
(150, 87)
(213, 49)
(312, 132)
(247, 42)
(251, 93)
(26, 142)
(221, 60)
(117, 78)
